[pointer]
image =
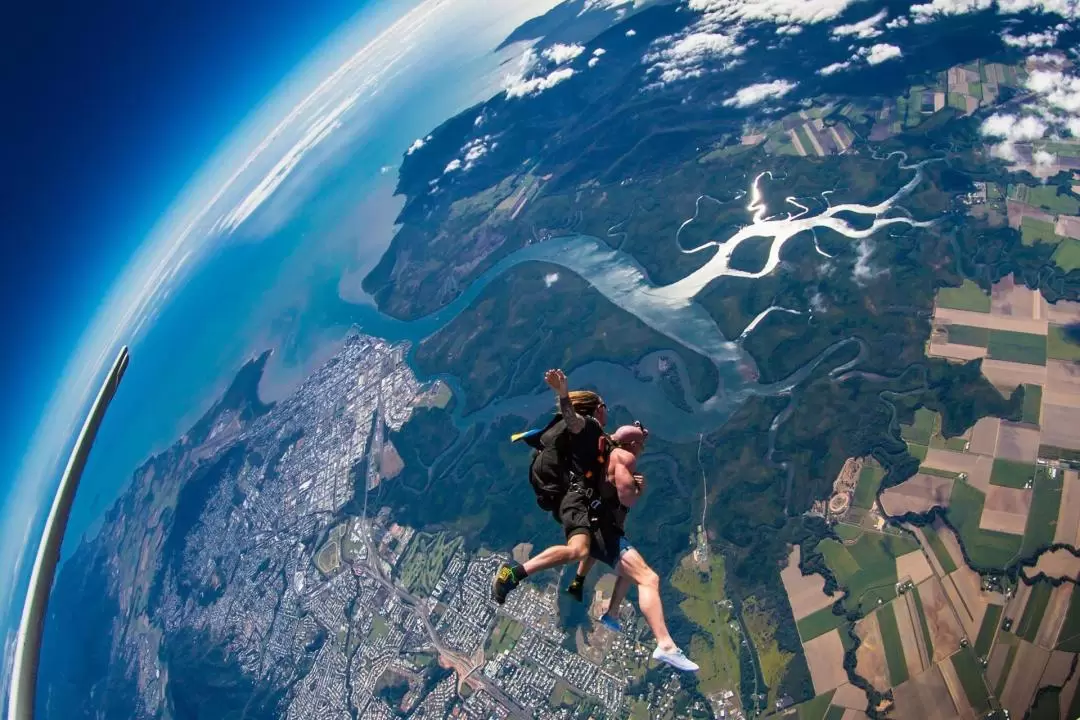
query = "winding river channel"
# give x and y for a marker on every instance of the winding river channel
(672, 310)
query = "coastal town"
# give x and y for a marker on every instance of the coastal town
(308, 587)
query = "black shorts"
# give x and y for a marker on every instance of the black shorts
(607, 543)
(574, 514)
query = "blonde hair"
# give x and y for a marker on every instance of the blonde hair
(585, 402)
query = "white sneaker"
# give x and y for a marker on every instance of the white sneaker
(675, 658)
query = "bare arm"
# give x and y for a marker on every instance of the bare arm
(556, 380)
(626, 484)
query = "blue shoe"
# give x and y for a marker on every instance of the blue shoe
(610, 623)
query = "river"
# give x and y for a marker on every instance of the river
(672, 310)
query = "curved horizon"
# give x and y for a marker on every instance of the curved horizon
(243, 173)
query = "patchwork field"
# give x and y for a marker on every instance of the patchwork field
(1013, 327)
(866, 568)
(945, 632)
(825, 656)
(1023, 678)
(870, 657)
(918, 495)
(926, 696)
(805, 592)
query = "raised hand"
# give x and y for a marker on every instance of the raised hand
(556, 380)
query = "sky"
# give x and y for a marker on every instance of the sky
(119, 104)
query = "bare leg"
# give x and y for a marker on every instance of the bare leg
(585, 566)
(622, 586)
(576, 548)
(634, 568)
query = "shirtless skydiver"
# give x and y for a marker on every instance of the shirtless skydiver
(588, 513)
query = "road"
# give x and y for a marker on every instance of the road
(461, 665)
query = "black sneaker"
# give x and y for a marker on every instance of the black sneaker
(503, 583)
(576, 590)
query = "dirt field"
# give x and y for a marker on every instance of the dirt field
(977, 467)
(851, 714)
(1064, 312)
(911, 637)
(1062, 376)
(1016, 442)
(954, 351)
(926, 697)
(825, 656)
(1012, 300)
(964, 590)
(949, 316)
(984, 436)
(1027, 670)
(1015, 608)
(870, 657)
(1067, 227)
(996, 666)
(804, 591)
(1006, 510)
(1017, 211)
(945, 633)
(1058, 564)
(1055, 615)
(1007, 375)
(956, 691)
(918, 494)
(1069, 511)
(1057, 670)
(1061, 426)
(914, 565)
(849, 696)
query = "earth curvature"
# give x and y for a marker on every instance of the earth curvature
(827, 251)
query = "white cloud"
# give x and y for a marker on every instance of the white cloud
(928, 12)
(686, 57)
(782, 12)
(834, 68)
(1048, 38)
(880, 53)
(560, 53)
(863, 272)
(471, 154)
(897, 22)
(864, 29)
(1057, 90)
(1011, 129)
(605, 5)
(754, 94)
(551, 278)
(599, 51)
(1042, 158)
(1064, 8)
(417, 144)
(631, 32)
(521, 88)
(716, 33)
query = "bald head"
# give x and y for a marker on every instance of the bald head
(630, 437)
